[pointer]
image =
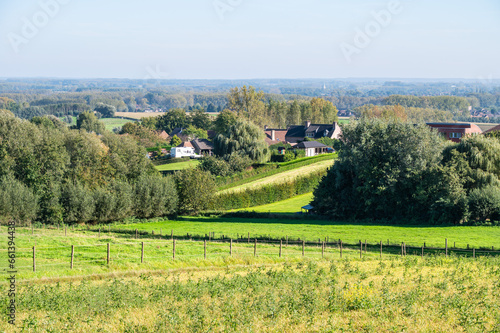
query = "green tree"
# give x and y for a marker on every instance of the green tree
(17, 201)
(107, 111)
(155, 196)
(224, 121)
(196, 189)
(195, 133)
(242, 138)
(175, 141)
(200, 119)
(248, 103)
(89, 122)
(175, 118)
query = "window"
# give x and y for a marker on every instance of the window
(455, 135)
(310, 135)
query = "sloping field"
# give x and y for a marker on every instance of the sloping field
(178, 166)
(283, 177)
(138, 115)
(292, 205)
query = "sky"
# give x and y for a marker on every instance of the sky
(250, 39)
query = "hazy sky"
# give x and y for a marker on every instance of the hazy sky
(243, 39)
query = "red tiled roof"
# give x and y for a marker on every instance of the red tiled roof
(279, 136)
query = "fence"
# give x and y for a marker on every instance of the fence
(166, 247)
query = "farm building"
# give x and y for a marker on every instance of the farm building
(203, 147)
(313, 148)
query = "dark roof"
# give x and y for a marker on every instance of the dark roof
(311, 144)
(177, 131)
(319, 130)
(202, 144)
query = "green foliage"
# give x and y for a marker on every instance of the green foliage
(77, 202)
(196, 189)
(379, 168)
(89, 122)
(484, 203)
(175, 141)
(243, 138)
(200, 119)
(17, 201)
(175, 118)
(216, 166)
(155, 196)
(224, 121)
(107, 111)
(267, 194)
(195, 133)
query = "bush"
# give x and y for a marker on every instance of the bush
(238, 162)
(484, 203)
(78, 203)
(17, 201)
(215, 166)
(196, 189)
(155, 196)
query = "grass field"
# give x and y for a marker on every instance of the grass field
(288, 206)
(312, 230)
(320, 295)
(283, 177)
(177, 166)
(110, 123)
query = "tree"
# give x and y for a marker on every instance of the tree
(384, 171)
(195, 133)
(155, 196)
(17, 201)
(175, 141)
(200, 119)
(224, 121)
(196, 190)
(248, 103)
(175, 118)
(107, 111)
(89, 122)
(242, 138)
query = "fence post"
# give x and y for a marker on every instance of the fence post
(323, 250)
(380, 249)
(142, 252)
(446, 246)
(360, 249)
(231, 247)
(340, 249)
(281, 245)
(205, 248)
(255, 248)
(402, 249)
(136, 234)
(365, 245)
(72, 255)
(108, 254)
(474, 253)
(173, 250)
(303, 247)
(34, 259)
(248, 238)
(422, 251)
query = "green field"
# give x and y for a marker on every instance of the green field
(283, 176)
(349, 232)
(114, 122)
(289, 206)
(177, 166)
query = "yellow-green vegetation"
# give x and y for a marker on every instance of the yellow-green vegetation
(178, 166)
(138, 115)
(292, 205)
(283, 177)
(111, 123)
(408, 294)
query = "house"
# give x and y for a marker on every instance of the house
(455, 131)
(179, 132)
(164, 135)
(312, 131)
(274, 136)
(313, 148)
(203, 147)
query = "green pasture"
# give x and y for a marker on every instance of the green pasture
(178, 166)
(289, 206)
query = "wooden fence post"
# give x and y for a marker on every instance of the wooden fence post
(142, 252)
(72, 255)
(281, 245)
(108, 254)
(248, 238)
(446, 246)
(340, 249)
(422, 251)
(231, 247)
(402, 249)
(255, 248)
(173, 250)
(303, 247)
(205, 248)
(34, 259)
(323, 250)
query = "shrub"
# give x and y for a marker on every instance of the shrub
(155, 196)
(215, 166)
(78, 203)
(17, 201)
(484, 203)
(196, 189)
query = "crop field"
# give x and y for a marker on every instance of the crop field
(138, 115)
(283, 177)
(289, 206)
(177, 166)
(407, 294)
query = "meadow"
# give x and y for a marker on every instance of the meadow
(409, 294)
(110, 123)
(177, 166)
(289, 206)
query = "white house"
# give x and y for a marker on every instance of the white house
(179, 152)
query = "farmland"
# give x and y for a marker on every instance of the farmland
(288, 206)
